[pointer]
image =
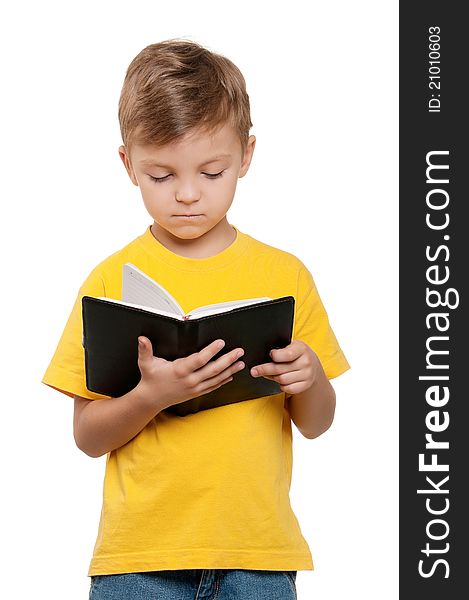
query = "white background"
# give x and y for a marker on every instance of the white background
(322, 79)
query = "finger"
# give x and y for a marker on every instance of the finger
(286, 378)
(288, 354)
(227, 371)
(145, 348)
(198, 359)
(272, 369)
(223, 366)
(217, 385)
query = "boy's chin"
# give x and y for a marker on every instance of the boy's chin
(184, 230)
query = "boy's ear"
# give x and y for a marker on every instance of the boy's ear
(127, 164)
(247, 156)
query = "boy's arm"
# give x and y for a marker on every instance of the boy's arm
(100, 426)
(297, 369)
(313, 410)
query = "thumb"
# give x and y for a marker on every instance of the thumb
(145, 349)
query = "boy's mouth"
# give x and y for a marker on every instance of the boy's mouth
(188, 216)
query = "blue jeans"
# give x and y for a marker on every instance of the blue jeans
(195, 584)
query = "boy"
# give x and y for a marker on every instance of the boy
(197, 506)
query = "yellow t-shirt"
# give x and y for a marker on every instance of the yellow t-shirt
(210, 489)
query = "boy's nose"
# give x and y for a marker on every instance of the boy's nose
(188, 194)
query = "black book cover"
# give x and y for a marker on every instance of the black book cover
(110, 340)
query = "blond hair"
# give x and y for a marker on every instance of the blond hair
(176, 86)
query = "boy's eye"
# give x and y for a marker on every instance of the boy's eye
(159, 179)
(213, 175)
(209, 175)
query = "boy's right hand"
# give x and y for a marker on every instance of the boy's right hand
(167, 382)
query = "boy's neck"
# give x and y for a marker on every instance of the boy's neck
(209, 244)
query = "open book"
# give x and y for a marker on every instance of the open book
(141, 291)
(111, 328)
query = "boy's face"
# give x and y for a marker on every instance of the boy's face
(195, 176)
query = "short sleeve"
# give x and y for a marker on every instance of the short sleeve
(311, 325)
(66, 370)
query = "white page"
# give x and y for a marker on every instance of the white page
(158, 311)
(139, 288)
(212, 309)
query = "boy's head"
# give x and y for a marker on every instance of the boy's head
(176, 86)
(185, 119)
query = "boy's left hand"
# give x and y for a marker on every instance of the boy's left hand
(294, 367)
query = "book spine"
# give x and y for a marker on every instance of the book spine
(188, 338)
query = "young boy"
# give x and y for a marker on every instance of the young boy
(197, 506)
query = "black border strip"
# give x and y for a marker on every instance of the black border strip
(434, 259)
